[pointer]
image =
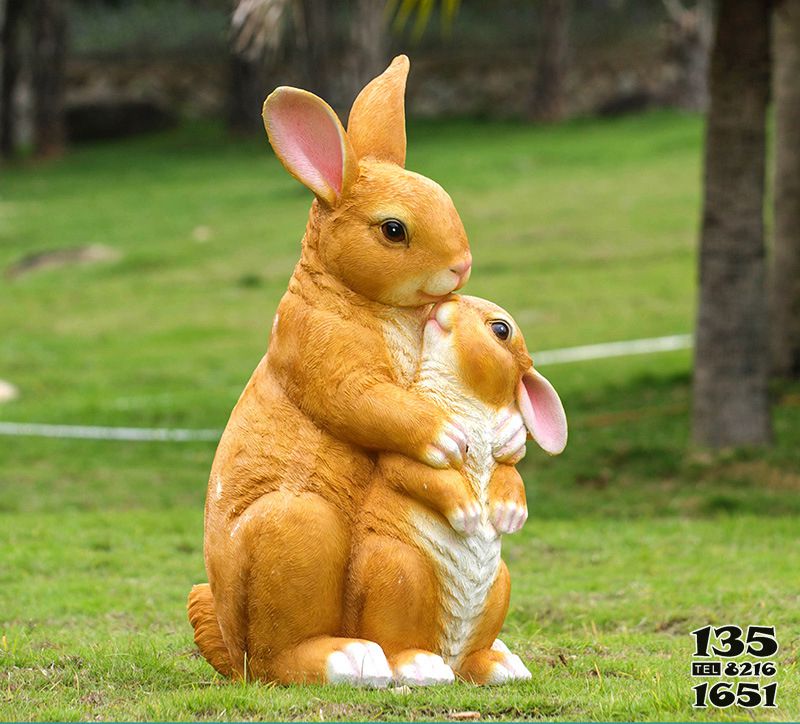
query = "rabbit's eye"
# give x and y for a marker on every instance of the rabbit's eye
(501, 329)
(394, 231)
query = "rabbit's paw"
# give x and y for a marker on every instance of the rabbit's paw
(508, 444)
(421, 668)
(360, 663)
(465, 518)
(449, 449)
(507, 666)
(508, 516)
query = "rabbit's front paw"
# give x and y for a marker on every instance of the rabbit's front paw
(422, 668)
(508, 516)
(465, 518)
(508, 444)
(449, 449)
(359, 663)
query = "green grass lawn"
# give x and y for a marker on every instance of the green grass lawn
(585, 232)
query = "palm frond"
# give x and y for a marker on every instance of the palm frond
(449, 11)
(422, 9)
(258, 27)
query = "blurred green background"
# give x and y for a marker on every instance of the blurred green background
(140, 278)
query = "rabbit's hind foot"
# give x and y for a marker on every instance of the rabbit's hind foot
(496, 665)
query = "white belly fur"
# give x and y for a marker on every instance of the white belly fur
(466, 566)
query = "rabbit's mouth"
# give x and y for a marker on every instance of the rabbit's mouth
(431, 298)
(446, 281)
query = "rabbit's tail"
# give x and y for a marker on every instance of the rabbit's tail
(207, 634)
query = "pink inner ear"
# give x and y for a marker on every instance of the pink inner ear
(542, 412)
(308, 139)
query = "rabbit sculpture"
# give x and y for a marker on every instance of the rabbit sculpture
(426, 581)
(382, 244)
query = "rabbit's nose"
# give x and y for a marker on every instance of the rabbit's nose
(462, 270)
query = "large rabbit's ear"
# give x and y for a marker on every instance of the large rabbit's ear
(542, 412)
(310, 142)
(377, 124)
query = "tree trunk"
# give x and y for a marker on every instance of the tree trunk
(3, 4)
(785, 269)
(10, 46)
(49, 19)
(548, 103)
(247, 91)
(369, 43)
(731, 404)
(315, 41)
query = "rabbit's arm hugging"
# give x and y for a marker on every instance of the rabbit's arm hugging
(381, 246)
(379, 238)
(500, 378)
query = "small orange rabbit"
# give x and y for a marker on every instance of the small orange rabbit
(426, 581)
(381, 245)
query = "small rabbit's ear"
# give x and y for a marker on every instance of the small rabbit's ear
(377, 124)
(310, 142)
(542, 412)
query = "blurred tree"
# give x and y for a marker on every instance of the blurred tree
(785, 267)
(246, 94)
(49, 20)
(11, 64)
(731, 403)
(688, 43)
(260, 30)
(43, 24)
(315, 39)
(548, 102)
(369, 42)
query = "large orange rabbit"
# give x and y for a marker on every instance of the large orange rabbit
(381, 245)
(427, 582)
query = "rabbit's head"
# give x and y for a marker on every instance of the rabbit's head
(479, 345)
(388, 234)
